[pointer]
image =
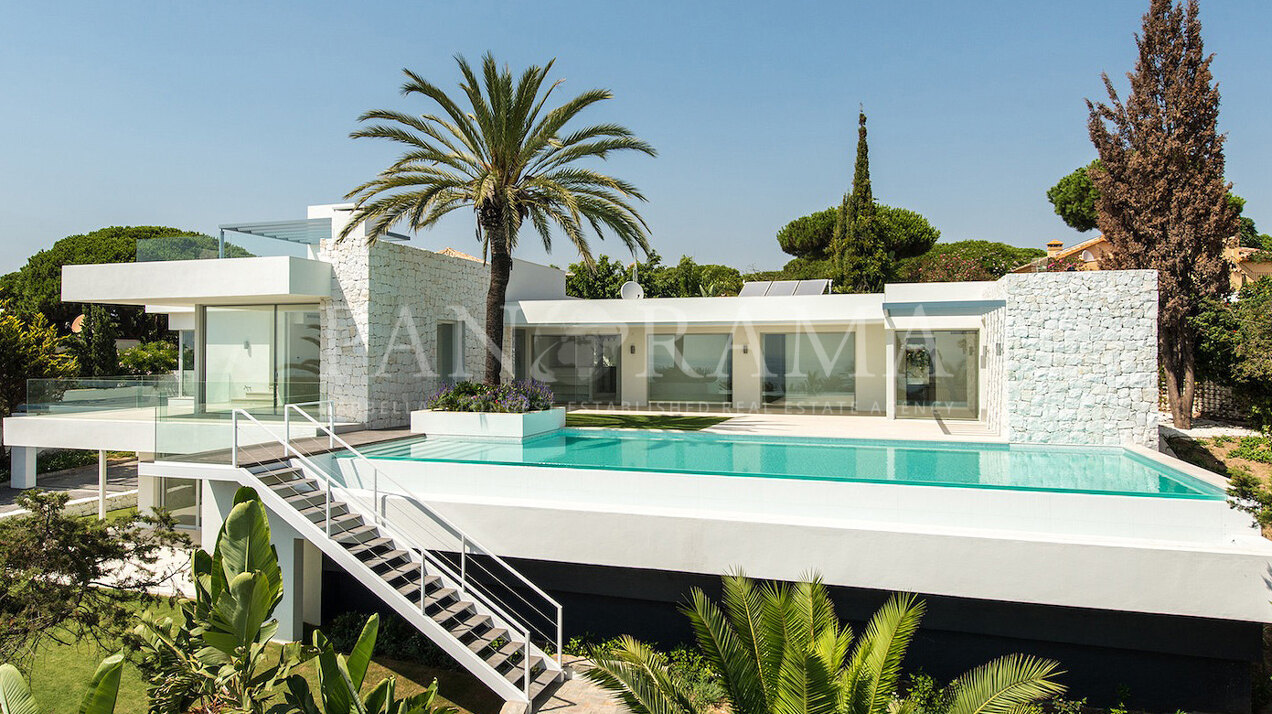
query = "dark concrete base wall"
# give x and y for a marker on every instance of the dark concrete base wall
(1160, 663)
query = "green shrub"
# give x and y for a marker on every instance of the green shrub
(1253, 448)
(397, 639)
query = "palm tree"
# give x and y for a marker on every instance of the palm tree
(508, 159)
(779, 649)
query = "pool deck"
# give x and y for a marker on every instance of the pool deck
(834, 425)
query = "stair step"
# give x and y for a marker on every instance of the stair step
(412, 589)
(514, 674)
(368, 546)
(488, 638)
(281, 473)
(339, 524)
(542, 680)
(403, 571)
(319, 512)
(437, 596)
(451, 611)
(298, 485)
(471, 623)
(379, 560)
(354, 536)
(306, 498)
(500, 656)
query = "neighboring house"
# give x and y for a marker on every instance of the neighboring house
(973, 387)
(1245, 264)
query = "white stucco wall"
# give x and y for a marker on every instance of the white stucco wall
(1080, 359)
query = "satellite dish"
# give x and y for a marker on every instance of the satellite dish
(631, 290)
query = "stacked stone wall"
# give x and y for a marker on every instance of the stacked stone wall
(1081, 357)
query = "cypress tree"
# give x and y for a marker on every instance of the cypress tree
(100, 357)
(1163, 202)
(863, 259)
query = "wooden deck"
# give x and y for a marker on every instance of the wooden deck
(310, 446)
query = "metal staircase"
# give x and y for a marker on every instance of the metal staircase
(459, 594)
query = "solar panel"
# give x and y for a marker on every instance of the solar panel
(754, 288)
(782, 288)
(812, 287)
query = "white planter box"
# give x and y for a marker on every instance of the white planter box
(483, 424)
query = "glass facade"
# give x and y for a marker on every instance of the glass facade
(260, 357)
(938, 373)
(691, 368)
(578, 368)
(810, 369)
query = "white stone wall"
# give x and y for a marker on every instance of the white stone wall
(1081, 357)
(412, 291)
(379, 330)
(346, 328)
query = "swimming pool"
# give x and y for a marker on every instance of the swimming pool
(1089, 470)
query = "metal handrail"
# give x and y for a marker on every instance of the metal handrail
(456, 530)
(425, 555)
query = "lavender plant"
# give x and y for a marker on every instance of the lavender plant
(512, 398)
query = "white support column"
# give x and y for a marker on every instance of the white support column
(218, 499)
(101, 483)
(312, 595)
(291, 560)
(890, 372)
(22, 467)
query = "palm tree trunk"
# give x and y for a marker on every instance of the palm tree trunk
(500, 270)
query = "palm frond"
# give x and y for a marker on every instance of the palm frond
(875, 663)
(641, 679)
(723, 649)
(1006, 685)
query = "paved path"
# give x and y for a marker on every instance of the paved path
(79, 482)
(580, 695)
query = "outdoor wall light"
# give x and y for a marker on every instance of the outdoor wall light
(633, 349)
(745, 349)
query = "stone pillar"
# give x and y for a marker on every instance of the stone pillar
(22, 467)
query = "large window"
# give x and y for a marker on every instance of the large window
(450, 351)
(691, 368)
(260, 357)
(578, 368)
(937, 373)
(810, 369)
(181, 498)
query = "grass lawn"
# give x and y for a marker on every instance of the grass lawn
(61, 673)
(643, 421)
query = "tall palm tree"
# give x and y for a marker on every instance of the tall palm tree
(780, 649)
(507, 158)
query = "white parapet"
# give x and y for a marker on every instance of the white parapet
(486, 424)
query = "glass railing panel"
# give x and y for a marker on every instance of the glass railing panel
(103, 396)
(201, 247)
(201, 428)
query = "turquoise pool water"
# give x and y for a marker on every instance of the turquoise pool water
(1108, 470)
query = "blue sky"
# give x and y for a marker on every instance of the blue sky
(194, 115)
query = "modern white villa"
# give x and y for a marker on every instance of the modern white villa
(992, 446)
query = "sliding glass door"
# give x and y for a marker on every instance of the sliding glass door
(937, 374)
(691, 368)
(260, 357)
(817, 369)
(578, 368)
